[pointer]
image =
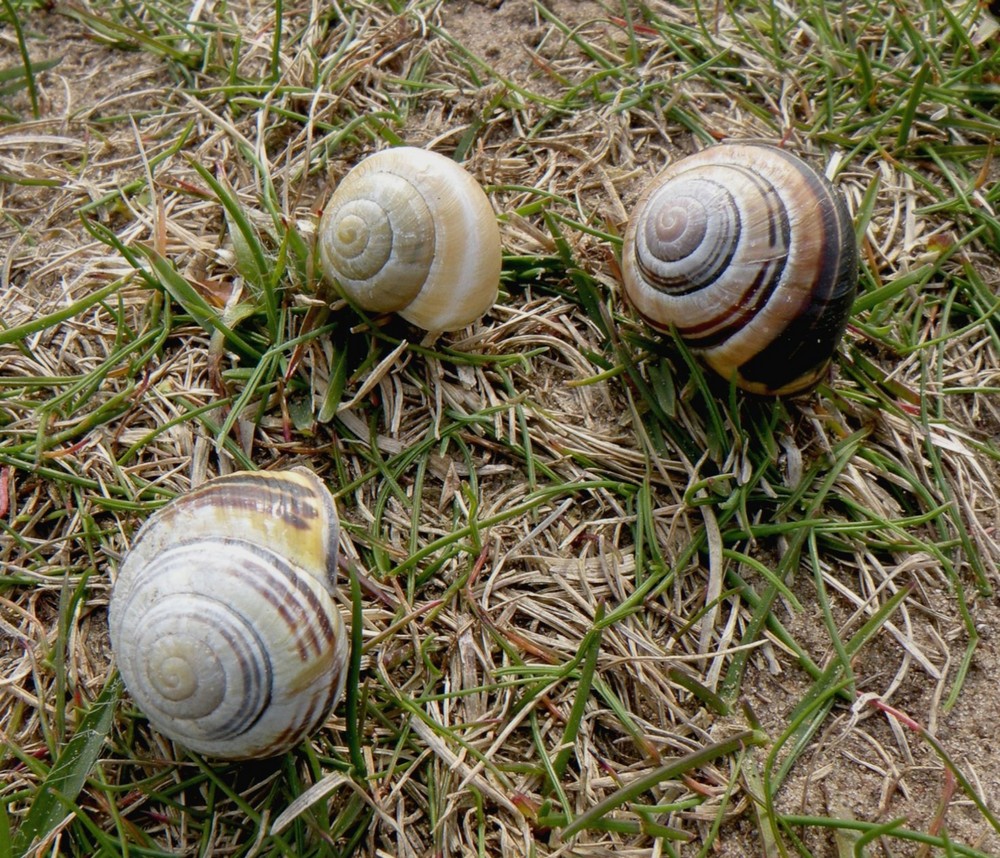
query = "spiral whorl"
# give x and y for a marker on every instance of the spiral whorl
(378, 235)
(690, 237)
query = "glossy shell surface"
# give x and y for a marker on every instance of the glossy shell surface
(222, 616)
(750, 254)
(410, 231)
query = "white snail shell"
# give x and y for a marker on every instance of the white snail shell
(750, 254)
(410, 231)
(222, 616)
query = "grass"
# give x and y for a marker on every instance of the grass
(599, 601)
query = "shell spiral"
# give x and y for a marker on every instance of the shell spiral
(749, 253)
(410, 231)
(222, 617)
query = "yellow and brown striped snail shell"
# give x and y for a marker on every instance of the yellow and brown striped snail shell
(222, 616)
(410, 231)
(750, 254)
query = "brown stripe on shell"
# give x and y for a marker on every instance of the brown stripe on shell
(802, 352)
(307, 722)
(305, 616)
(297, 498)
(286, 739)
(283, 499)
(252, 711)
(241, 641)
(310, 717)
(281, 585)
(721, 327)
(324, 704)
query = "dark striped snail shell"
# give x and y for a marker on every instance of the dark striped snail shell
(410, 231)
(750, 254)
(222, 616)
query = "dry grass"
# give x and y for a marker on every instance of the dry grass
(608, 606)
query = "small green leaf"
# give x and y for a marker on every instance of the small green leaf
(661, 380)
(300, 412)
(246, 259)
(66, 777)
(178, 287)
(250, 256)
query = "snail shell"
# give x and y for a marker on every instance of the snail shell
(750, 254)
(410, 231)
(222, 616)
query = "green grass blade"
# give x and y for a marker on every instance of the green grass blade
(795, 821)
(335, 385)
(351, 716)
(592, 648)
(250, 254)
(121, 34)
(19, 332)
(22, 47)
(671, 770)
(6, 847)
(912, 104)
(11, 79)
